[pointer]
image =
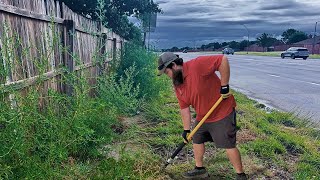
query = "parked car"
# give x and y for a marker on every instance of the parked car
(296, 52)
(228, 51)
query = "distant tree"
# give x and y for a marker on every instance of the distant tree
(174, 49)
(266, 40)
(234, 45)
(243, 44)
(224, 44)
(287, 34)
(203, 47)
(208, 46)
(292, 36)
(217, 45)
(253, 42)
(297, 37)
(211, 46)
(187, 48)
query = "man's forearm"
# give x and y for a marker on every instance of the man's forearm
(224, 70)
(186, 118)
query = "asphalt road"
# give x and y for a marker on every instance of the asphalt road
(285, 84)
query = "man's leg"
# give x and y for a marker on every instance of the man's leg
(198, 140)
(198, 150)
(235, 159)
(199, 171)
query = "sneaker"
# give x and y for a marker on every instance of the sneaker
(242, 176)
(196, 174)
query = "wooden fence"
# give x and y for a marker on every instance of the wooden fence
(43, 39)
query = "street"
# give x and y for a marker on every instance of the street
(291, 85)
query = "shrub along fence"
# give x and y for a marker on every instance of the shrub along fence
(42, 41)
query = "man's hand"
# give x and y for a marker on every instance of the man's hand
(225, 92)
(185, 135)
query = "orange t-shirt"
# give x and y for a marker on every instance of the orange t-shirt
(201, 88)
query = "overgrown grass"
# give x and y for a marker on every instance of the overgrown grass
(280, 141)
(52, 135)
(37, 143)
(282, 135)
(273, 53)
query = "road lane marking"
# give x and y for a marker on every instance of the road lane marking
(314, 83)
(297, 80)
(273, 75)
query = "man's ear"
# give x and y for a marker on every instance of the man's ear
(174, 65)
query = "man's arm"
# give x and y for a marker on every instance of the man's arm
(186, 118)
(224, 70)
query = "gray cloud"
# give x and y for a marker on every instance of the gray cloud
(190, 22)
(279, 5)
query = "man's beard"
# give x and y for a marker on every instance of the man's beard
(177, 77)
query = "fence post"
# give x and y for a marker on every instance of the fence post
(69, 38)
(121, 49)
(103, 42)
(114, 49)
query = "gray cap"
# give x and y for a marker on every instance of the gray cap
(164, 60)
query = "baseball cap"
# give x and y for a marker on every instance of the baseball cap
(164, 60)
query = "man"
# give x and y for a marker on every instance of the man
(196, 84)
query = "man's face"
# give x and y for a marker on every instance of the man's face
(168, 72)
(175, 74)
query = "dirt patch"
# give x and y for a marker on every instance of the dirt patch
(114, 150)
(240, 113)
(245, 135)
(119, 128)
(292, 161)
(135, 120)
(266, 170)
(278, 173)
(126, 122)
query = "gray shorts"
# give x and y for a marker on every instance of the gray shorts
(222, 133)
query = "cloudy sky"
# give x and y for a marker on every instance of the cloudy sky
(196, 22)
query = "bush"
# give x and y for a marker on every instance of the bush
(35, 143)
(122, 94)
(146, 63)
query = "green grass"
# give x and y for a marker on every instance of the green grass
(273, 53)
(278, 136)
(155, 134)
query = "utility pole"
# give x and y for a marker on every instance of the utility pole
(314, 37)
(248, 38)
